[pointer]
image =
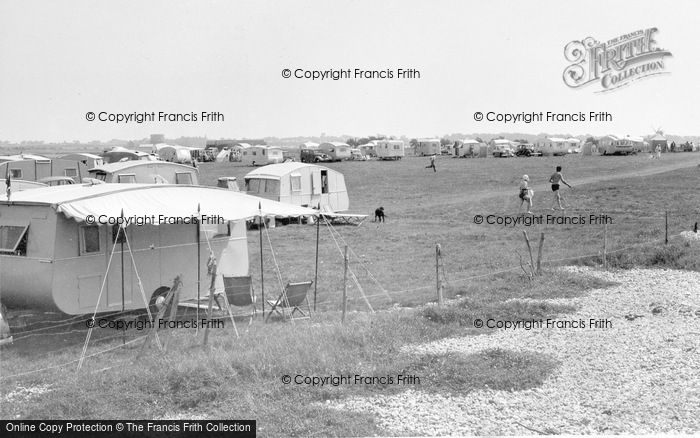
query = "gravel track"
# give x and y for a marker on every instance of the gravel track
(640, 376)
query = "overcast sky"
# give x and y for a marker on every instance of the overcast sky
(59, 60)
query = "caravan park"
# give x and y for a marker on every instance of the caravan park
(393, 218)
(623, 254)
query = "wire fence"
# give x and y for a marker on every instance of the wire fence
(651, 230)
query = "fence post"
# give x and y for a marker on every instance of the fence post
(539, 254)
(345, 286)
(529, 250)
(438, 283)
(605, 245)
(666, 234)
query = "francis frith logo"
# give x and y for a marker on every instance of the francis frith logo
(616, 62)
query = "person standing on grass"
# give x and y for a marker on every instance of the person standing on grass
(555, 179)
(525, 194)
(658, 151)
(432, 163)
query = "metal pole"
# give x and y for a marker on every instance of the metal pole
(318, 230)
(119, 236)
(345, 286)
(666, 235)
(199, 265)
(262, 277)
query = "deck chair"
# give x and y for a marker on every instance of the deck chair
(239, 292)
(291, 300)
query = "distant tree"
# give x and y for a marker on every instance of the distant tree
(592, 140)
(363, 140)
(413, 142)
(521, 140)
(444, 141)
(352, 142)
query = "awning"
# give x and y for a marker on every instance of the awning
(159, 200)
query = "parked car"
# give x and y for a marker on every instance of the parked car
(527, 150)
(503, 153)
(323, 158)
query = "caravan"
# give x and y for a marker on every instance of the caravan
(336, 150)
(390, 149)
(36, 169)
(146, 172)
(428, 146)
(61, 247)
(260, 155)
(300, 184)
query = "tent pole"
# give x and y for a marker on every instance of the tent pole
(199, 265)
(262, 278)
(121, 230)
(318, 229)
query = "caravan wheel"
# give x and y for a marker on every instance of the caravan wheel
(157, 300)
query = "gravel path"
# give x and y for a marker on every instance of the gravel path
(640, 376)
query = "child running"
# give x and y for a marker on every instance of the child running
(555, 179)
(525, 194)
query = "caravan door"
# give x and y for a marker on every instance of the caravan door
(315, 188)
(43, 169)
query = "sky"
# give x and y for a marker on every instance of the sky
(61, 60)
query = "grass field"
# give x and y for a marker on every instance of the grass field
(425, 208)
(241, 378)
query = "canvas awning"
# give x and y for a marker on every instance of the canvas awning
(86, 203)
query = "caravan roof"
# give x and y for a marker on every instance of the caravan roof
(276, 171)
(121, 165)
(80, 201)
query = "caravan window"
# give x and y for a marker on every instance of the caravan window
(115, 231)
(183, 178)
(13, 239)
(272, 186)
(71, 172)
(296, 182)
(16, 173)
(126, 179)
(252, 185)
(89, 239)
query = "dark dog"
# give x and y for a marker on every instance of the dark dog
(379, 215)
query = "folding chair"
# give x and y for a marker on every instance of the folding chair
(239, 292)
(292, 298)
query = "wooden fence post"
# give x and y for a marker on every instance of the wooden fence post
(666, 234)
(539, 255)
(529, 249)
(605, 245)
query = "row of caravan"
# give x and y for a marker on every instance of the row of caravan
(75, 257)
(338, 151)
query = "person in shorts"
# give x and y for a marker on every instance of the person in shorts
(556, 179)
(525, 194)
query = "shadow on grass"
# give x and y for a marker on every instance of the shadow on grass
(501, 298)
